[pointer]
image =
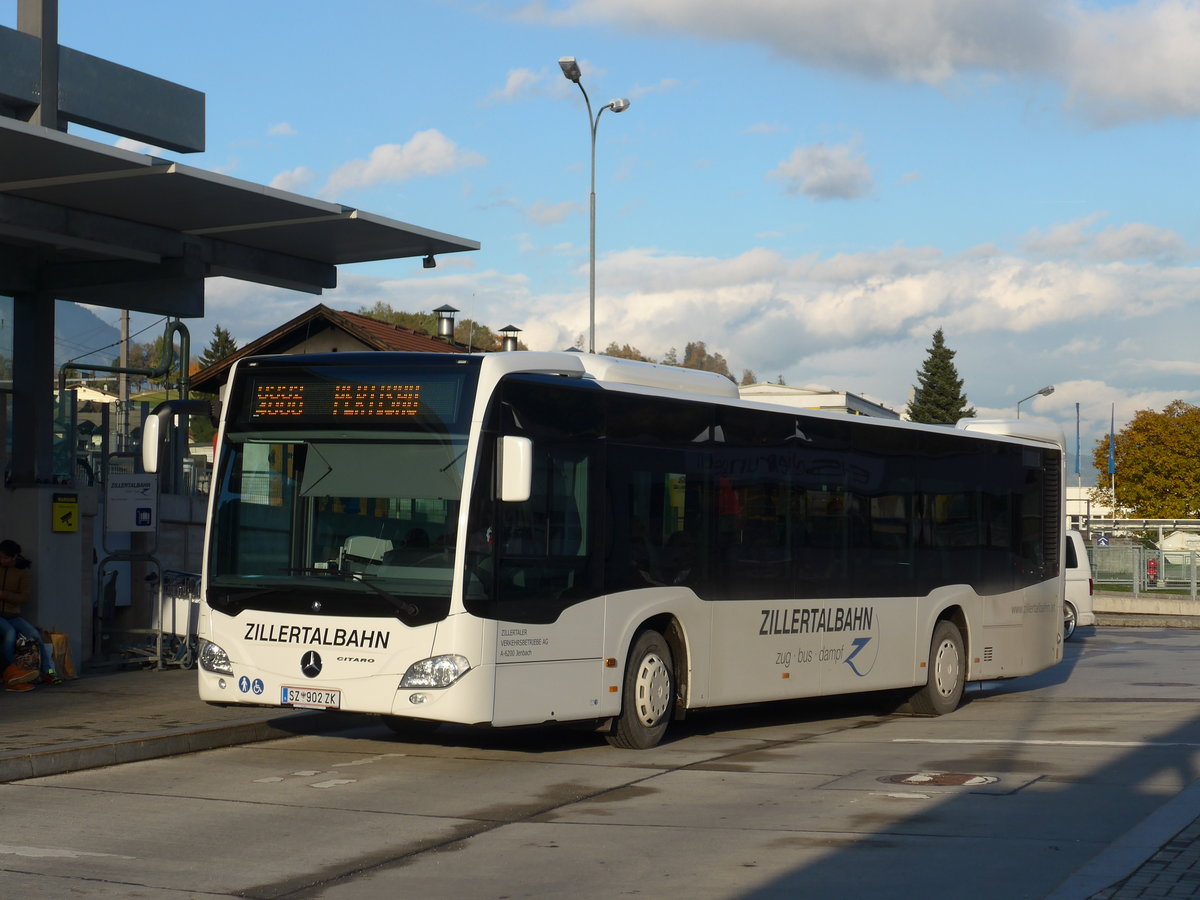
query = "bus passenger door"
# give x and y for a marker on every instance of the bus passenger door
(550, 621)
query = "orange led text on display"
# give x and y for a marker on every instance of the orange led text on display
(343, 400)
(376, 400)
(279, 400)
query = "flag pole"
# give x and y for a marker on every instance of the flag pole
(1112, 456)
(1079, 481)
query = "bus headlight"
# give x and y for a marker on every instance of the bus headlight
(214, 659)
(435, 672)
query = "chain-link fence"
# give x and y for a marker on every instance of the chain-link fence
(1145, 570)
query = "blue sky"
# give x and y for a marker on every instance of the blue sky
(811, 187)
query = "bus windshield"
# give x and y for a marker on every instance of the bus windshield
(345, 526)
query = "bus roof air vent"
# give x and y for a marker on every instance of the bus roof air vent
(1017, 428)
(614, 370)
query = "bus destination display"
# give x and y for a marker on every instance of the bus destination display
(301, 400)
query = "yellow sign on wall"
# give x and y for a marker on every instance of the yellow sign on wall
(64, 512)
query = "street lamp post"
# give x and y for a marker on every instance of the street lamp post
(570, 70)
(1044, 392)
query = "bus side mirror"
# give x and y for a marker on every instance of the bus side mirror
(158, 424)
(152, 431)
(516, 468)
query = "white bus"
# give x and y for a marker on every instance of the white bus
(517, 538)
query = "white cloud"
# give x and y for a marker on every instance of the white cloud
(1066, 239)
(282, 129)
(138, 147)
(860, 322)
(1188, 368)
(427, 153)
(1139, 60)
(766, 311)
(1125, 61)
(1131, 241)
(550, 214)
(520, 83)
(1082, 346)
(295, 180)
(825, 172)
(919, 40)
(1139, 241)
(662, 87)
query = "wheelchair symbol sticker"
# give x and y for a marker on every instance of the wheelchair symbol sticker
(244, 684)
(257, 687)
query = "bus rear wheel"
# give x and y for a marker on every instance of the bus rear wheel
(947, 673)
(648, 694)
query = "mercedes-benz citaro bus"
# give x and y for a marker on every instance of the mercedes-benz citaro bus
(517, 538)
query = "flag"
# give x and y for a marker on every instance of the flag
(1112, 442)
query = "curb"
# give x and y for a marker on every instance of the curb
(21, 764)
(1147, 620)
(1129, 852)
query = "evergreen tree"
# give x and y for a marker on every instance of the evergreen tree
(221, 346)
(938, 397)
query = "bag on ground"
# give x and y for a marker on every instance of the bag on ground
(61, 653)
(28, 654)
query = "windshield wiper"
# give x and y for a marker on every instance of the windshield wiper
(402, 605)
(235, 596)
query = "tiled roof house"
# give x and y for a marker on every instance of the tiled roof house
(325, 330)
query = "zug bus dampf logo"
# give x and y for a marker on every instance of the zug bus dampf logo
(843, 635)
(310, 664)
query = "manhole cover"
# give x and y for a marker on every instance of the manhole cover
(939, 779)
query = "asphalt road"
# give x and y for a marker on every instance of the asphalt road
(1023, 790)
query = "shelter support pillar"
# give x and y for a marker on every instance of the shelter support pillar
(33, 390)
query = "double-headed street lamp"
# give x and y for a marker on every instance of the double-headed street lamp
(570, 69)
(1044, 392)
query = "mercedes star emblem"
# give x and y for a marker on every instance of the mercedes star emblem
(310, 664)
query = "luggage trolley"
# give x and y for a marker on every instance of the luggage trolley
(176, 615)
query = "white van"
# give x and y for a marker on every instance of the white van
(1077, 602)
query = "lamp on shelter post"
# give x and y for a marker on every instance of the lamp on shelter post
(570, 70)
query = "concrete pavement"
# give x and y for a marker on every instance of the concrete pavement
(113, 717)
(123, 716)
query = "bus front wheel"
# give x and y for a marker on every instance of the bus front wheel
(648, 694)
(947, 673)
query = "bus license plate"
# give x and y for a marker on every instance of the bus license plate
(312, 698)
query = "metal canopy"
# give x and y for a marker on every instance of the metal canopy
(97, 92)
(84, 204)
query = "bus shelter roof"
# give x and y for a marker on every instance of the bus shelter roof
(103, 218)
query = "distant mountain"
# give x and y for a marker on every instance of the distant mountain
(76, 332)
